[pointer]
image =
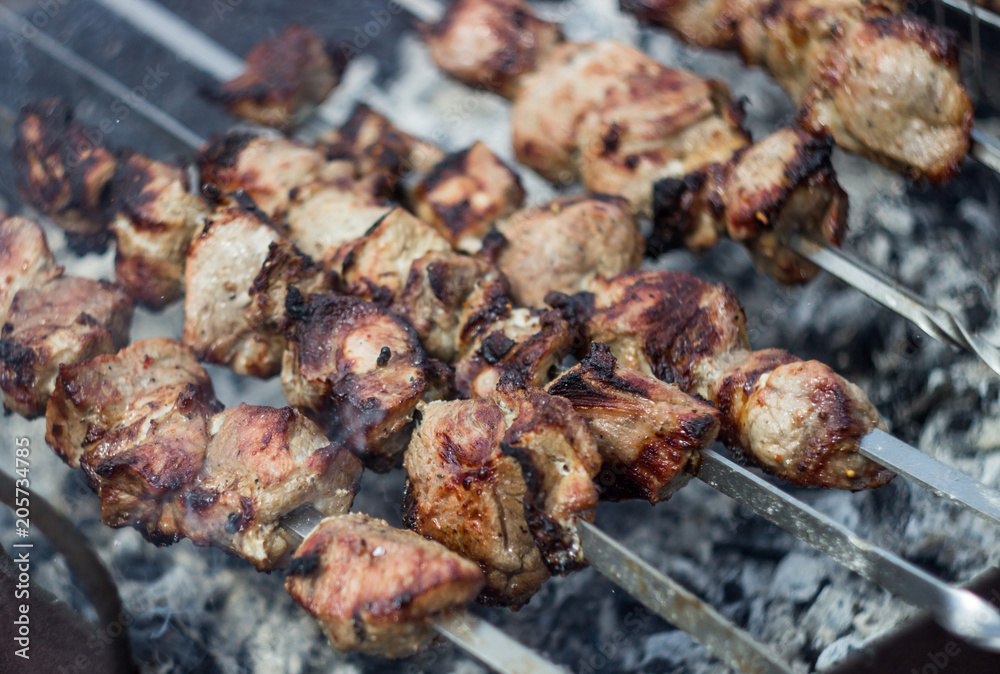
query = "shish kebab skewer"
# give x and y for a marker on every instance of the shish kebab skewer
(939, 322)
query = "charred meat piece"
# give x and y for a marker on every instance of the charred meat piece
(525, 344)
(587, 112)
(65, 320)
(324, 215)
(219, 274)
(467, 494)
(25, 260)
(465, 193)
(559, 459)
(374, 588)
(265, 168)
(446, 295)
(376, 266)
(284, 267)
(63, 170)
(882, 83)
(647, 431)
(783, 184)
(374, 146)
(561, 245)
(490, 44)
(138, 423)
(155, 219)
(286, 76)
(358, 371)
(262, 463)
(800, 421)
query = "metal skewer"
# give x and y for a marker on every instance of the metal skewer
(979, 623)
(959, 611)
(473, 635)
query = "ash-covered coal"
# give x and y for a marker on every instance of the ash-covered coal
(197, 610)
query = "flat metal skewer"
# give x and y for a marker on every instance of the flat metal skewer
(473, 635)
(957, 610)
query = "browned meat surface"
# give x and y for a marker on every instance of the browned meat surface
(376, 266)
(358, 371)
(468, 495)
(882, 83)
(283, 268)
(799, 420)
(559, 459)
(445, 297)
(374, 146)
(561, 245)
(138, 423)
(465, 193)
(374, 588)
(587, 112)
(490, 44)
(523, 343)
(25, 260)
(647, 431)
(324, 215)
(262, 463)
(155, 219)
(783, 184)
(63, 321)
(286, 76)
(221, 267)
(265, 168)
(63, 173)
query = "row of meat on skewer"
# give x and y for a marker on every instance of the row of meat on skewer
(394, 344)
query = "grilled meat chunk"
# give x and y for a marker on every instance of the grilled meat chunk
(559, 246)
(358, 371)
(283, 268)
(221, 267)
(265, 168)
(324, 215)
(586, 112)
(882, 83)
(522, 343)
(376, 147)
(286, 76)
(799, 420)
(465, 193)
(63, 173)
(374, 588)
(446, 295)
(138, 423)
(783, 184)
(467, 494)
(647, 431)
(155, 220)
(65, 320)
(262, 463)
(490, 44)
(25, 260)
(376, 266)
(559, 459)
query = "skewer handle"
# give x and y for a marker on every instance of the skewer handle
(959, 611)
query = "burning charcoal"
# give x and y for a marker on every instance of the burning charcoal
(374, 588)
(287, 75)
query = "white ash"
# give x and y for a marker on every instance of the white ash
(198, 610)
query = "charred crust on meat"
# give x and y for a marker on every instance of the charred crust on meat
(496, 346)
(940, 42)
(493, 244)
(383, 357)
(740, 385)
(673, 199)
(304, 564)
